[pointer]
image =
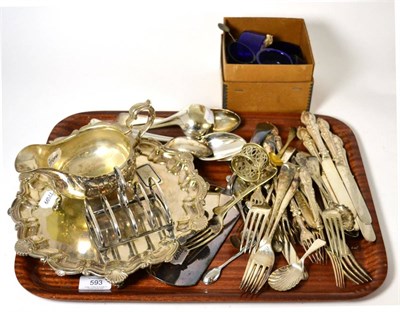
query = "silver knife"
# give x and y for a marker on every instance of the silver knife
(335, 145)
(332, 174)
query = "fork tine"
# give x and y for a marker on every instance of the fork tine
(340, 234)
(251, 272)
(320, 253)
(261, 231)
(248, 275)
(350, 274)
(206, 239)
(345, 252)
(357, 266)
(332, 250)
(258, 274)
(350, 267)
(254, 227)
(251, 230)
(337, 269)
(355, 270)
(198, 239)
(196, 236)
(333, 236)
(264, 280)
(306, 245)
(247, 284)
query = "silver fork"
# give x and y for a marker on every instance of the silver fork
(254, 228)
(306, 237)
(335, 232)
(262, 259)
(255, 225)
(337, 268)
(216, 223)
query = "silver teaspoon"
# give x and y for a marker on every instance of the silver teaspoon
(213, 275)
(288, 276)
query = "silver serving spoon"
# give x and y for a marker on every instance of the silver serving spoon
(223, 145)
(195, 121)
(288, 276)
(213, 275)
(225, 120)
(185, 144)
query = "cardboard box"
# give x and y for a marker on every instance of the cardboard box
(268, 87)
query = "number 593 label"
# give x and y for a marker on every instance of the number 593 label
(93, 284)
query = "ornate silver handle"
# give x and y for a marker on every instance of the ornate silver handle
(309, 120)
(341, 157)
(134, 112)
(308, 142)
(327, 136)
(305, 178)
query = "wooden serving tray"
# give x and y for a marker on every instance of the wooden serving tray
(39, 279)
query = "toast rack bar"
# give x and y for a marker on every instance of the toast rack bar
(139, 212)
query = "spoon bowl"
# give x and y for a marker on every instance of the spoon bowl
(223, 145)
(185, 144)
(195, 121)
(288, 276)
(225, 120)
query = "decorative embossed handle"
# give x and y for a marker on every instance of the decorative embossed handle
(297, 215)
(274, 220)
(306, 179)
(327, 136)
(341, 157)
(308, 143)
(309, 120)
(286, 175)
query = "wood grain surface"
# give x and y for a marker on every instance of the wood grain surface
(38, 278)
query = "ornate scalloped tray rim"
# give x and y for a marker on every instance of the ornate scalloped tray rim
(34, 243)
(40, 280)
